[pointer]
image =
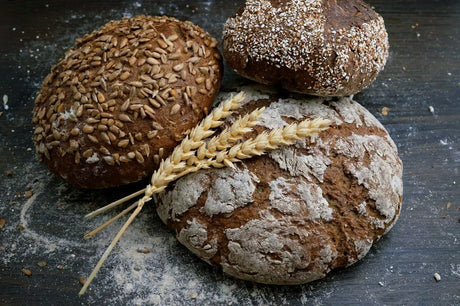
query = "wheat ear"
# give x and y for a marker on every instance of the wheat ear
(266, 141)
(194, 140)
(230, 135)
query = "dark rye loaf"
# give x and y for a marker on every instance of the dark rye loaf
(123, 98)
(297, 213)
(317, 47)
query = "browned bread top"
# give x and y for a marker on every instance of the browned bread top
(318, 47)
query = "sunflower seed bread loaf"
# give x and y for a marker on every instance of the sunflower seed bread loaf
(294, 215)
(317, 47)
(123, 98)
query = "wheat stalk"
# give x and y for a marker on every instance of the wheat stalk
(266, 141)
(114, 204)
(185, 159)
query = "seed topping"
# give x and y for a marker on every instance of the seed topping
(120, 74)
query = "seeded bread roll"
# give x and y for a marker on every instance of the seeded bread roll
(294, 215)
(318, 47)
(123, 97)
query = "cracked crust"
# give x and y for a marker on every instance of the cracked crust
(295, 214)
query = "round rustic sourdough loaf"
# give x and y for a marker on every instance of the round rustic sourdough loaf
(317, 47)
(297, 213)
(123, 97)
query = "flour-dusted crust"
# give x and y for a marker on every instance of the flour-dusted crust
(318, 47)
(123, 98)
(295, 214)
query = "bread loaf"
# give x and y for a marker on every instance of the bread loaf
(123, 97)
(317, 47)
(294, 215)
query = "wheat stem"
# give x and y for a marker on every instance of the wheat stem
(111, 246)
(114, 204)
(100, 228)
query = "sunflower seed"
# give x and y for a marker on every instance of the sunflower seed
(87, 153)
(109, 160)
(93, 139)
(125, 75)
(88, 129)
(123, 143)
(124, 117)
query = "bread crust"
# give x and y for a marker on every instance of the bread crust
(292, 216)
(318, 47)
(123, 98)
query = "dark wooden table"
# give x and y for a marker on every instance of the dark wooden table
(44, 216)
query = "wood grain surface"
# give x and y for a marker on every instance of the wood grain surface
(44, 216)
